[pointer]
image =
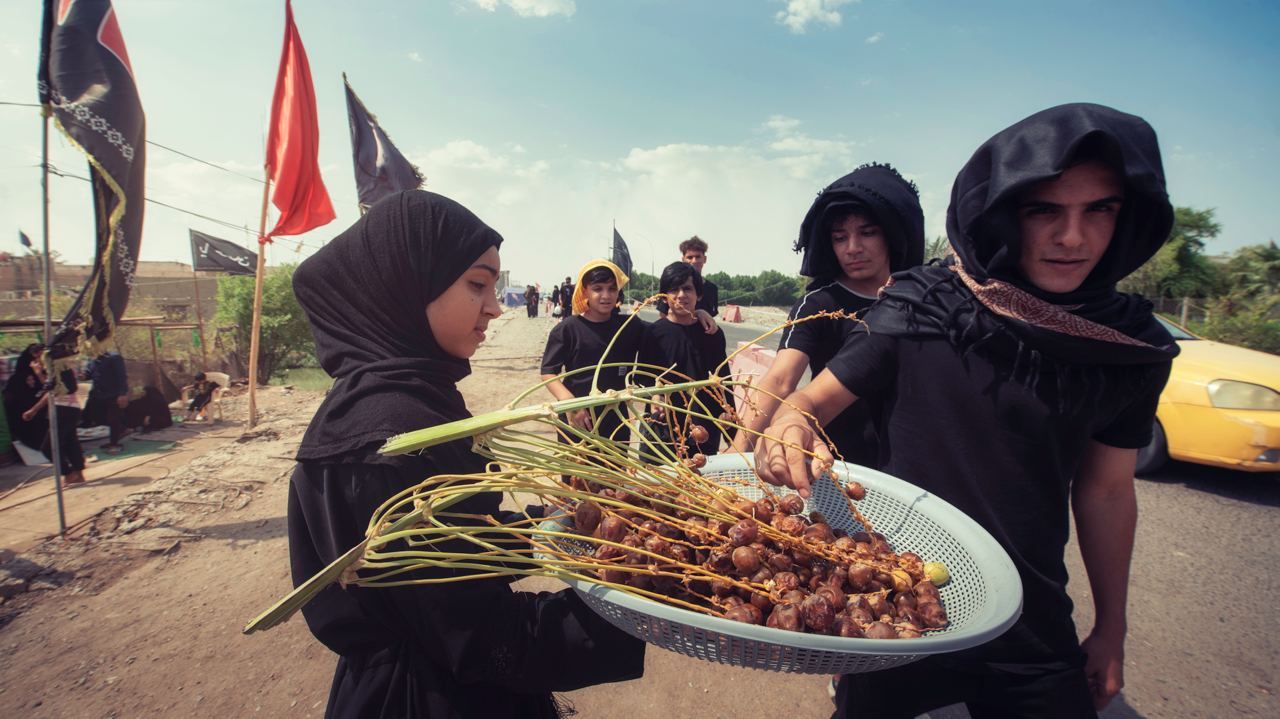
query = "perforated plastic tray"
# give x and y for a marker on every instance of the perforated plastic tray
(983, 598)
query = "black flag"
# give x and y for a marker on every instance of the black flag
(380, 168)
(210, 254)
(621, 255)
(86, 84)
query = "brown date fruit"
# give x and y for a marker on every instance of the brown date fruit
(745, 613)
(764, 510)
(611, 529)
(780, 562)
(786, 616)
(932, 614)
(743, 533)
(926, 589)
(786, 581)
(792, 525)
(607, 552)
(860, 576)
(906, 632)
(904, 600)
(855, 491)
(614, 576)
(699, 434)
(818, 613)
(836, 596)
(792, 504)
(877, 603)
(879, 630)
(845, 626)
(795, 596)
(762, 575)
(762, 603)
(721, 587)
(861, 615)
(587, 516)
(745, 560)
(820, 532)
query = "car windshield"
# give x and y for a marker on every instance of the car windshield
(1177, 332)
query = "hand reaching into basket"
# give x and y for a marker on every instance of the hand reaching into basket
(792, 452)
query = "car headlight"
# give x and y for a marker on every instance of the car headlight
(1229, 394)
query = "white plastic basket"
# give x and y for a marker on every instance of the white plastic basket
(983, 598)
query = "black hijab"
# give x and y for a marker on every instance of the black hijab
(983, 294)
(874, 189)
(365, 294)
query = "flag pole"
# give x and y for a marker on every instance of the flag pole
(257, 304)
(195, 281)
(52, 408)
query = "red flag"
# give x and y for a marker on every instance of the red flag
(294, 143)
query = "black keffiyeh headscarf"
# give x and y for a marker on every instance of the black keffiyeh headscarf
(981, 294)
(365, 294)
(874, 189)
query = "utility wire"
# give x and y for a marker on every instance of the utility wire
(62, 173)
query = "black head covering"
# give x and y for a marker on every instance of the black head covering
(874, 189)
(983, 229)
(365, 294)
(982, 219)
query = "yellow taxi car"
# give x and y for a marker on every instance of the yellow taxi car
(1221, 408)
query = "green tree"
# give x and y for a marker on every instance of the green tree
(937, 248)
(1180, 268)
(285, 335)
(1254, 271)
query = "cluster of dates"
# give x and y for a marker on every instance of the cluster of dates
(774, 566)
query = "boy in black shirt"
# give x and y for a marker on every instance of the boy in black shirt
(679, 342)
(858, 230)
(1018, 386)
(580, 341)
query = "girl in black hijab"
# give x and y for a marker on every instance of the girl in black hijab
(397, 304)
(21, 392)
(1018, 385)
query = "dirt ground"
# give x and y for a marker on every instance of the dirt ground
(138, 612)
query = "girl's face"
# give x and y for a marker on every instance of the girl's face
(459, 317)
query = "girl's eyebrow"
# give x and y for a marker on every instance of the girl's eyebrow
(481, 266)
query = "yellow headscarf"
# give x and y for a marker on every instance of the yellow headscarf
(580, 290)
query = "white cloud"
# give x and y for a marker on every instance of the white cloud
(531, 8)
(873, 39)
(556, 208)
(415, 56)
(799, 14)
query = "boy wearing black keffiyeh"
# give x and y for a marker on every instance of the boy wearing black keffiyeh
(1017, 385)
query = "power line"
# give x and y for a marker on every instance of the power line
(62, 173)
(153, 143)
(210, 164)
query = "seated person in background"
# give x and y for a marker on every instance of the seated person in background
(149, 412)
(201, 393)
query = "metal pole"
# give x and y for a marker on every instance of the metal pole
(155, 355)
(257, 306)
(204, 353)
(51, 408)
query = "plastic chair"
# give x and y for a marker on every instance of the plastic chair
(213, 410)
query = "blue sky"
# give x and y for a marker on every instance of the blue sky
(552, 119)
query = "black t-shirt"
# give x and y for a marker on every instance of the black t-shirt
(566, 297)
(693, 353)
(853, 431)
(578, 342)
(1003, 453)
